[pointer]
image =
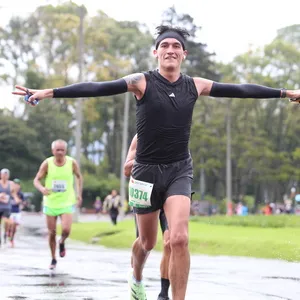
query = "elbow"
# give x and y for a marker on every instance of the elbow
(35, 182)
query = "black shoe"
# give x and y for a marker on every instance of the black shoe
(62, 249)
(53, 264)
(160, 297)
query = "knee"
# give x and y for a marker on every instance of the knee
(179, 240)
(65, 232)
(148, 244)
(166, 242)
(167, 247)
(52, 233)
(8, 223)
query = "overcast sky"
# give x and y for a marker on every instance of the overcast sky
(229, 27)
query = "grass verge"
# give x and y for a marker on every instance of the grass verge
(211, 236)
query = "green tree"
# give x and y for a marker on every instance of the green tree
(19, 147)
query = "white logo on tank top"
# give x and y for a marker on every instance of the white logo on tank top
(172, 95)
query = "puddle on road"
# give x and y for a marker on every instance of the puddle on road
(35, 231)
(96, 238)
(56, 275)
(56, 284)
(59, 279)
(282, 278)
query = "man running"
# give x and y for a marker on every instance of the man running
(164, 264)
(59, 194)
(7, 192)
(112, 205)
(15, 216)
(163, 170)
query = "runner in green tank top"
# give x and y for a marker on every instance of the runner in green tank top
(59, 197)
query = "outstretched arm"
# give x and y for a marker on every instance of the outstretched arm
(130, 157)
(134, 83)
(228, 90)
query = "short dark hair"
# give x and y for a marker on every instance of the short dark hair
(163, 28)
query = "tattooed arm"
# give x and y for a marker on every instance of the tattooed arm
(136, 84)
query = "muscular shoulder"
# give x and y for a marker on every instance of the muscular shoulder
(46, 162)
(44, 165)
(136, 83)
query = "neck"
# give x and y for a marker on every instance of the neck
(3, 181)
(170, 75)
(60, 161)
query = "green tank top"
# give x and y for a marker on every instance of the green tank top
(60, 180)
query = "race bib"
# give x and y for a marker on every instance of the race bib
(139, 193)
(59, 186)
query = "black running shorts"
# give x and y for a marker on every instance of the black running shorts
(168, 180)
(4, 213)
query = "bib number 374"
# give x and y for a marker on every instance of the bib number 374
(140, 193)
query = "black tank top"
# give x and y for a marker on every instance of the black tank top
(164, 118)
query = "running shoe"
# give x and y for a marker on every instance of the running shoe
(137, 290)
(160, 297)
(53, 264)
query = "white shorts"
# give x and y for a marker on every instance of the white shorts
(16, 217)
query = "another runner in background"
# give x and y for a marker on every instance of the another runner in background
(59, 194)
(15, 217)
(7, 193)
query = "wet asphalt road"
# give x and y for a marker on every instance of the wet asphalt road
(91, 272)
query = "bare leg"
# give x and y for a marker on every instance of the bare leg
(66, 224)
(7, 224)
(10, 225)
(7, 228)
(177, 209)
(147, 224)
(13, 232)
(164, 264)
(51, 225)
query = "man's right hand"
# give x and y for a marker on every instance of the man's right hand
(35, 94)
(45, 191)
(128, 167)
